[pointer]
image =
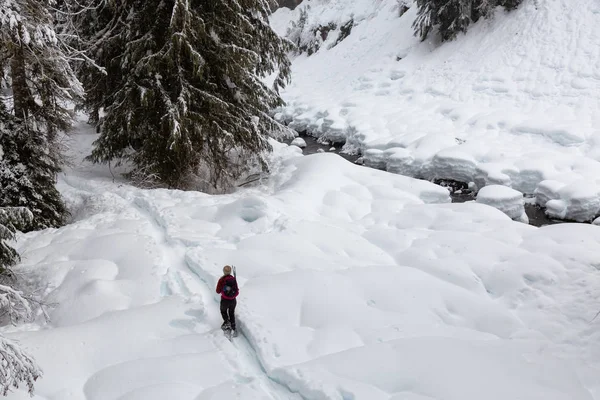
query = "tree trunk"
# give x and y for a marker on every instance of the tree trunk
(48, 110)
(21, 95)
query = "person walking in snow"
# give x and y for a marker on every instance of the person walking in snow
(228, 288)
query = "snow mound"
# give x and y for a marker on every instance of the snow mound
(547, 190)
(576, 201)
(505, 199)
(519, 110)
(299, 142)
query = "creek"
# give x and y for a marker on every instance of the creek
(459, 192)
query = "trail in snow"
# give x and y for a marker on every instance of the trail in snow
(144, 324)
(183, 280)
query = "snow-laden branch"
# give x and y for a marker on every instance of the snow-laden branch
(16, 367)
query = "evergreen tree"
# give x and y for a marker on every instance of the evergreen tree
(452, 17)
(11, 220)
(95, 28)
(17, 367)
(39, 73)
(183, 95)
(509, 4)
(27, 171)
(37, 70)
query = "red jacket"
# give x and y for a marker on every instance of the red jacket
(228, 280)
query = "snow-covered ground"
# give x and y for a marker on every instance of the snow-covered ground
(513, 102)
(355, 284)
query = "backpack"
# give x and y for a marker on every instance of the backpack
(229, 289)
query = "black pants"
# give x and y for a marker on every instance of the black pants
(228, 311)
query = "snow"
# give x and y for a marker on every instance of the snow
(505, 199)
(354, 284)
(299, 142)
(513, 102)
(577, 201)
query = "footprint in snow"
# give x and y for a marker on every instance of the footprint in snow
(395, 75)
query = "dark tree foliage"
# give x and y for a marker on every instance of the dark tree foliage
(36, 65)
(509, 4)
(95, 27)
(11, 220)
(27, 173)
(183, 98)
(452, 17)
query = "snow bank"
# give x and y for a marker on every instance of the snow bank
(505, 199)
(513, 102)
(355, 283)
(577, 201)
(299, 142)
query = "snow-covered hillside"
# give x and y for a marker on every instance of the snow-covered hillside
(355, 284)
(513, 102)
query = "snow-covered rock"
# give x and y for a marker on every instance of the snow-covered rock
(505, 199)
(299, 142)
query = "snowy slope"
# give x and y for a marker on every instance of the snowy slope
(513, 102)
(355, 284)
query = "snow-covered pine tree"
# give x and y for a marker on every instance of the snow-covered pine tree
(17, 367)
(451, 17)
(39, 73)
(27, 172)
(95, 28)
(509, 4)
(11, 220)
(184, 101)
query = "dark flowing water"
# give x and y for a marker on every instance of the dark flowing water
(459, 191)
